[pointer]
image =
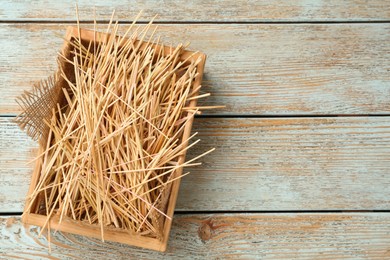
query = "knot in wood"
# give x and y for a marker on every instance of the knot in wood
(205, 231)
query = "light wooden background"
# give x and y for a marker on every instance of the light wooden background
(302, 166)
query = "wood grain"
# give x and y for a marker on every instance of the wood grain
(200, 10)
(264, 58)
(223, 236)
(337, 163)
(15, 174)
(252, 69)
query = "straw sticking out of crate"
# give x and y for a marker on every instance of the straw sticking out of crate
(114, 144)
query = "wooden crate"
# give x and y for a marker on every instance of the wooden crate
(112, 234)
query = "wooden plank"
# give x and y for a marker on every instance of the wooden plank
(253, 69)
(201, 10)
(226, 236)
(336, 163)
(15, 174)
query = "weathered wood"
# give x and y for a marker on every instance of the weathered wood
(226, 236)
(15, 173)
(200, 10)
(253, 69)
(260, 164)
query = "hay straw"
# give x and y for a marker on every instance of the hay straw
(114, 145)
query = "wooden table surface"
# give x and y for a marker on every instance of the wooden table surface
(302, 166)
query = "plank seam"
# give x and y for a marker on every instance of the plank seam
(292, 116)
(205, 212)
(270, 116)
(196, 22)
(278, 211)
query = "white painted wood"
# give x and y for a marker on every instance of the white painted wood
(16, 148)
(252, 69)
(260, 164)
(200, 10)
(223, 236)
